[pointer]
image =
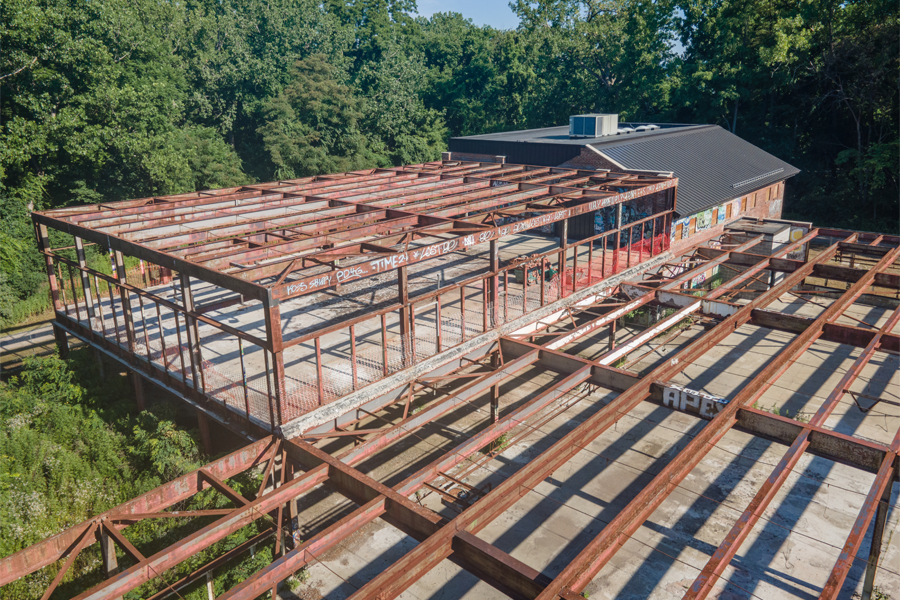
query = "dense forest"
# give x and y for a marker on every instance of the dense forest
(113, 99)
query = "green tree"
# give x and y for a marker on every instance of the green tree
(395, 112)
(314, 126)
(600, 55)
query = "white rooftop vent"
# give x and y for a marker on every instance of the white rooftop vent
(623, 130)
(594, 125)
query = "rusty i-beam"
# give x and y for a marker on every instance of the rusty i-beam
(720, 559)
(426, 555)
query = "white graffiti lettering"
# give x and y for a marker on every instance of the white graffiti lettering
(692, 401)
(389, 262)
(345, 274)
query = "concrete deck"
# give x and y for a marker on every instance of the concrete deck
(790, 552)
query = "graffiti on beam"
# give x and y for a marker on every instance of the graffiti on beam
(692, 401)
(389, 262)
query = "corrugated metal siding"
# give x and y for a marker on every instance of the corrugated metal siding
(545, 155)
(707, 162)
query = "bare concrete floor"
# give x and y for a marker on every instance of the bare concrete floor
(789, 553)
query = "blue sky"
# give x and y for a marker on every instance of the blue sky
(495, 13)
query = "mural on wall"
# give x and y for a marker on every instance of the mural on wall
(685, 224)
(721, 213)
(704, 277)
(797, 233)
(605, 219)
(704, 220)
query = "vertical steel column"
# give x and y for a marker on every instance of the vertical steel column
(615, 264)
(353, 356)
(44, 245)
(563, 244)
(384, 344)
(495, 389)
(877, 538)
(320, 383)
(462, 311)
(138, 383)
(205, 437)
(575, 268)
(494, 287)
(591, 263)
(62, 341)
(272, 311)
(126, 304)
(108, 552)
(405, 317)
(612, 336)
(85, 279)
(193, 334)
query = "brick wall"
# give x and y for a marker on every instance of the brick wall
(766, 203)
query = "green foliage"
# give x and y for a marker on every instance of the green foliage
(314, 126)
(167, 451)
(877, 594)
(72, 446)
(498, 445)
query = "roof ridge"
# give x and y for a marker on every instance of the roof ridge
(675, 132)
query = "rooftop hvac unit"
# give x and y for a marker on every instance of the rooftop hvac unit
(593, 125)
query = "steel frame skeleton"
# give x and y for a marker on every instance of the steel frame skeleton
(270, 243)
(304, 466)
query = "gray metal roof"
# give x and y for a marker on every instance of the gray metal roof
(560, 135)
(712, 165)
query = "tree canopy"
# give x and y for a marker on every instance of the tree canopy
(109, 100)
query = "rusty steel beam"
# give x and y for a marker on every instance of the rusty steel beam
(194, 314)
(401, 512)
(220, 561)
(212, 202)
(679, 280)
(421, 559)
(477, 557)
(832, 332)
(213, 216)
(589, 562)
(723, 555)
(883, 481)
(118, 244)
(316, 283)
(54, 548)
(785, 265)
(152, 566)
(184, 487)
